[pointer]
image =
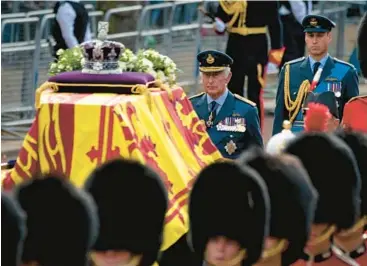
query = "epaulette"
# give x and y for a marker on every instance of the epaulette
(296, 60)
(343, 62)
(244, 100)
(229, 7)
(357, 97)
(196, 95)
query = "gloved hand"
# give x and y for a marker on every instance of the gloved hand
(219, 26)
(276, 56)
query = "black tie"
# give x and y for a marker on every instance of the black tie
(213, 109)
(316, 67)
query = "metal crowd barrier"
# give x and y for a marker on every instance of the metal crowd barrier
(25, 64)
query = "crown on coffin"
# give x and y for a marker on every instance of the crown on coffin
(102, 56)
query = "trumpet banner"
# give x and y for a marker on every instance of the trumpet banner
(74, 133)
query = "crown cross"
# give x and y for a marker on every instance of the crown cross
(102, 30)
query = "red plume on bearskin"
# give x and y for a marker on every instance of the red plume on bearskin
(317, 117)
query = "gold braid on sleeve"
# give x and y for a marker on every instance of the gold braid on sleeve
(293, 107)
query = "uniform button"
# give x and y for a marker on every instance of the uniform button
(231, 136)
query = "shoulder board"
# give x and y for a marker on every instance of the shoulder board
(244, 100)
(196, 95)
(357, 97)
(343, 62)
(296, 60)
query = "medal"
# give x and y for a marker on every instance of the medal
(230, 147)
(209, 123)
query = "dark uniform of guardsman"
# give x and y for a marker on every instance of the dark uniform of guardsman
(232, 121)
(291, 213)
(247, 23)
(228, 209)
(351, 245)
(362, 44)
(13, 231)
(334, 173)
(355, 114)
(62, 222)
(132, 203)
(312, 73)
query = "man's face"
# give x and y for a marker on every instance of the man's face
(114, 258)
(317, 43)
(220, 249)
(333, 124)
(215, 83)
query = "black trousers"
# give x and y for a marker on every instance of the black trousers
(294, 39)
(250, 56)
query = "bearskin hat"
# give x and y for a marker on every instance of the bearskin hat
(13, 231)
(231, 201)
(292, 198)
(132, 202)
(61, 220)
(334, 173)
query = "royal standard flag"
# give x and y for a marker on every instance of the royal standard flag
(73, 133)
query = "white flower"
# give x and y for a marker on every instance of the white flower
(60, 52)
(53, 66)
(61, 67)
(123, 66)
(147, 63)
(172, 77)
(69, 68)
(151, 72)
(97, 66)
(82, 62)
(161, 76)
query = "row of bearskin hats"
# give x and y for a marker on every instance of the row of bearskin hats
(316, 179)
(122, 207)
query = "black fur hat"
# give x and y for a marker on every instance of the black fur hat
(132, 202)
(231, 201)
(61, 220)
(13, 231)
(292, 198)
(333, 171)
(358, 144)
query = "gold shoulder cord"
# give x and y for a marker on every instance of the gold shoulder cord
(236, 9)
(293, 107)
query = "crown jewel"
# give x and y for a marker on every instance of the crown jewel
(102, 56)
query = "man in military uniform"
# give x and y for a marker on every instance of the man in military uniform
(334, 173)
(229, 215)
(351, 244)
(291, 214)
(247, 23)
(231, 120)
(318, 72)
(13, 231)
(132, 203)
(61, 222)
(355, 114)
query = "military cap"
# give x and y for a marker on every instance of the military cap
(334, 173)
(13, 231)
(231, 201)
(132, 202)
(355, 114)
(326, 98)
(277, 143)
(213, 61)
(292, 198)
(358, 144)
(317, 23)
(61, 220)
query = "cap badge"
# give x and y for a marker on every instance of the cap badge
(313, 22)
(210, 59)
